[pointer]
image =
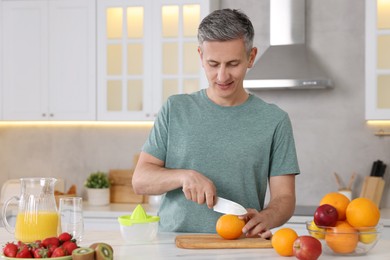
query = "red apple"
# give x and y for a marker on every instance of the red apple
(307, 248)
(326, 216)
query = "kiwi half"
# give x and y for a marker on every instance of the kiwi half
(83, 253)
(103, 251)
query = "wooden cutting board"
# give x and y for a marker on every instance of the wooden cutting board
(210, 241)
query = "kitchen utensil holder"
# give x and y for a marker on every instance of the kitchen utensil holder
(373, 188)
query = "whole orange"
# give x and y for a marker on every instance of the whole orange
(363, 212)
(337, 200)
(283, 240)
(342, 238)
(229, 226)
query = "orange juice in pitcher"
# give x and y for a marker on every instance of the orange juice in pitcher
(35, 226)
(37, 216)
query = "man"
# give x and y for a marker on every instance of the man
(220, 141)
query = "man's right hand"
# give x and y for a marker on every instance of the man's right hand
(152, 178)
(198, 188)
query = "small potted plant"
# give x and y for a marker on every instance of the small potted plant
(98, 189)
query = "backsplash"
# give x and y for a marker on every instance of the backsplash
(71, 153)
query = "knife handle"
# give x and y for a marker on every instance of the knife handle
(374, 168)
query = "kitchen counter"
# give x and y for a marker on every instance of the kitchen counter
(164, 248)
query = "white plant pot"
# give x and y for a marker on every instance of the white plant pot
(98, 197)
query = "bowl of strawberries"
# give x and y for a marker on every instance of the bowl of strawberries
(60, 248)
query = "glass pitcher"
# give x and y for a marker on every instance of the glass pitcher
(37, 217)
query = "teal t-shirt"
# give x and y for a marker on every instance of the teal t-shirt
(238, 148)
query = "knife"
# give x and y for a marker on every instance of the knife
(229, 207)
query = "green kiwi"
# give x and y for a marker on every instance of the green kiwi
(103, 251)
(83, 253)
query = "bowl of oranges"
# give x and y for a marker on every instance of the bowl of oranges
(344, 239)
(354, 228)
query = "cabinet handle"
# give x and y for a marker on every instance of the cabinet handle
(51, 115)
(43, 114)
(147, 115)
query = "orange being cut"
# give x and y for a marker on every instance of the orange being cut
(283, 241)
(342, 238)
(362, 212)
(337, 200)
(229, 226)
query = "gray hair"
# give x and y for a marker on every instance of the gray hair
(225, 25)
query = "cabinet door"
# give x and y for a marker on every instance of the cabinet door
(147, 51)
(377, 59)
(24, 52)
(49, 60)
(177, 66)
(72, 59)
(124, 59)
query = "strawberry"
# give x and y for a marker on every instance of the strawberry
(41, 253)
(65, 237)
(51, 248)
(58, 252)
(69, 246)
(23, 252)
(10, 249)
(21, 244)
(50, 241)
(36, 244)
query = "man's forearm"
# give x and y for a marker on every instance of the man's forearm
(280, 210)
(150, 179)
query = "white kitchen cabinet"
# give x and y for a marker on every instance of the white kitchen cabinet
(124, 59)
(147, 51)
(377, 59)
(49, 59)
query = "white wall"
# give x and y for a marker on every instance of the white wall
(329, 126)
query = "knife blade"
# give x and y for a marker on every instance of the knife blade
(229, 207)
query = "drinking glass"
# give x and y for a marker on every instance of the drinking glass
(71, 217)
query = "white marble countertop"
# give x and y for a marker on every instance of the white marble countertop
(164, 248)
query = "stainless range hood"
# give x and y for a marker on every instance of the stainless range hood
(287, 62)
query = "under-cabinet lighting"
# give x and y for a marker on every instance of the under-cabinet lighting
(378, 122)
(107, 124)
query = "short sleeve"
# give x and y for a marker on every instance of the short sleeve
(156, 144)
(283, 154)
